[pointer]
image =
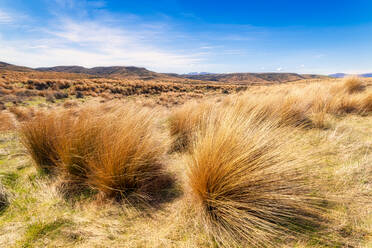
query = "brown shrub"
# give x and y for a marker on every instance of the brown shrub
(60, 95)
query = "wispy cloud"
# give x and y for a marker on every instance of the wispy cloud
(80, 3)
(93, 43)
(5, 18)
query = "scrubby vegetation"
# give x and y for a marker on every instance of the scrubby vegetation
(272, 166)
(16, 87)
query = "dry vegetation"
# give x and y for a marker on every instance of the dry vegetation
(274, 166)
(250, 189)
(16, 87)
(115, 150)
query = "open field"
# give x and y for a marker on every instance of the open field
(95, 162)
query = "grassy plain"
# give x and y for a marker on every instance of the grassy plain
(286, 165)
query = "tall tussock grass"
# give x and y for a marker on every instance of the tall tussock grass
(185, 121)
(308, 107)
(40, 136)
(350, 85)
(116, 150)
(248, 186)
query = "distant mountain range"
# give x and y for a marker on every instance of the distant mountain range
(197, 73)
(132, 72)
(246, 78)
(342, 75)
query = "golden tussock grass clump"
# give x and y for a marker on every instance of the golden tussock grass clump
(366, 102)
(40, 135)
(184, 121)
(249, 188)
(284, 110)
(308, 107)
(353, 84)
(116, 150)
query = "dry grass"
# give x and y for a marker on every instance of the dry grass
(40, 135)
(350, 85)
(185, 121)
(309, 107)
(115, 150)
(7, 121)
(4, 202)
(249, 188)
(258, 163)
(22, 113)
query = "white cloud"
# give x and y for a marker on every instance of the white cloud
(92, 43)
(279, 69)
(5, 17)
(80, 3)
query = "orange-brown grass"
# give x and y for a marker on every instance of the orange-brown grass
(21, 113)
(184, 121)
(249, 188)
(7, 121)
(40, 135)
(116, 150)
(308, 106)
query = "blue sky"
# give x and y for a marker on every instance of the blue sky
(185, 36)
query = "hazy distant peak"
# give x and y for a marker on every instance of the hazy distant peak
(342, 75)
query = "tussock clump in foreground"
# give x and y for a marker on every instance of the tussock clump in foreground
(115, 150)
(184, 121)
(249, 188)
(40, 135)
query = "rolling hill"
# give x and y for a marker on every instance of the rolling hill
(10, 67)
(132, 72)
(110, 71)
